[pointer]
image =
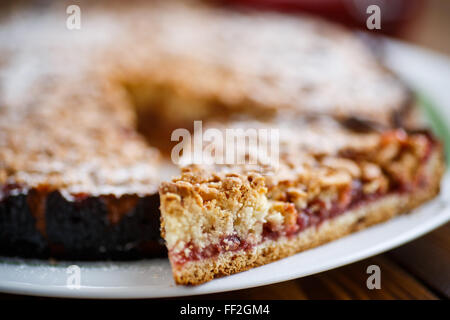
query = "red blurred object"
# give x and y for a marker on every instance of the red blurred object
(395, 14)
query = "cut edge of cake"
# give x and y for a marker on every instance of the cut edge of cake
(182, 204)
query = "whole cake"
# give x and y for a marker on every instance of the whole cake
(86, 117)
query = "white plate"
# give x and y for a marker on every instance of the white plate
(427, 72)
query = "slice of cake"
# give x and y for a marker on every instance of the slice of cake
(330, 182)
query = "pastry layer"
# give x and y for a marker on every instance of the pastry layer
(207, 236)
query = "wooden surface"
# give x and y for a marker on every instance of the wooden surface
(417, 270)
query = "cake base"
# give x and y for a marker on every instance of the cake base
(80, 229)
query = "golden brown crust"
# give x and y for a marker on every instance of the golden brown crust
(385, 208)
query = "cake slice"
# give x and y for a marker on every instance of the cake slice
(331, 181)
(86, 119)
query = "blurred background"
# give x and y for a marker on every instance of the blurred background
(423, 22)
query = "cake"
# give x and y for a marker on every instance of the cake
(86, 117)
(330, 182)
